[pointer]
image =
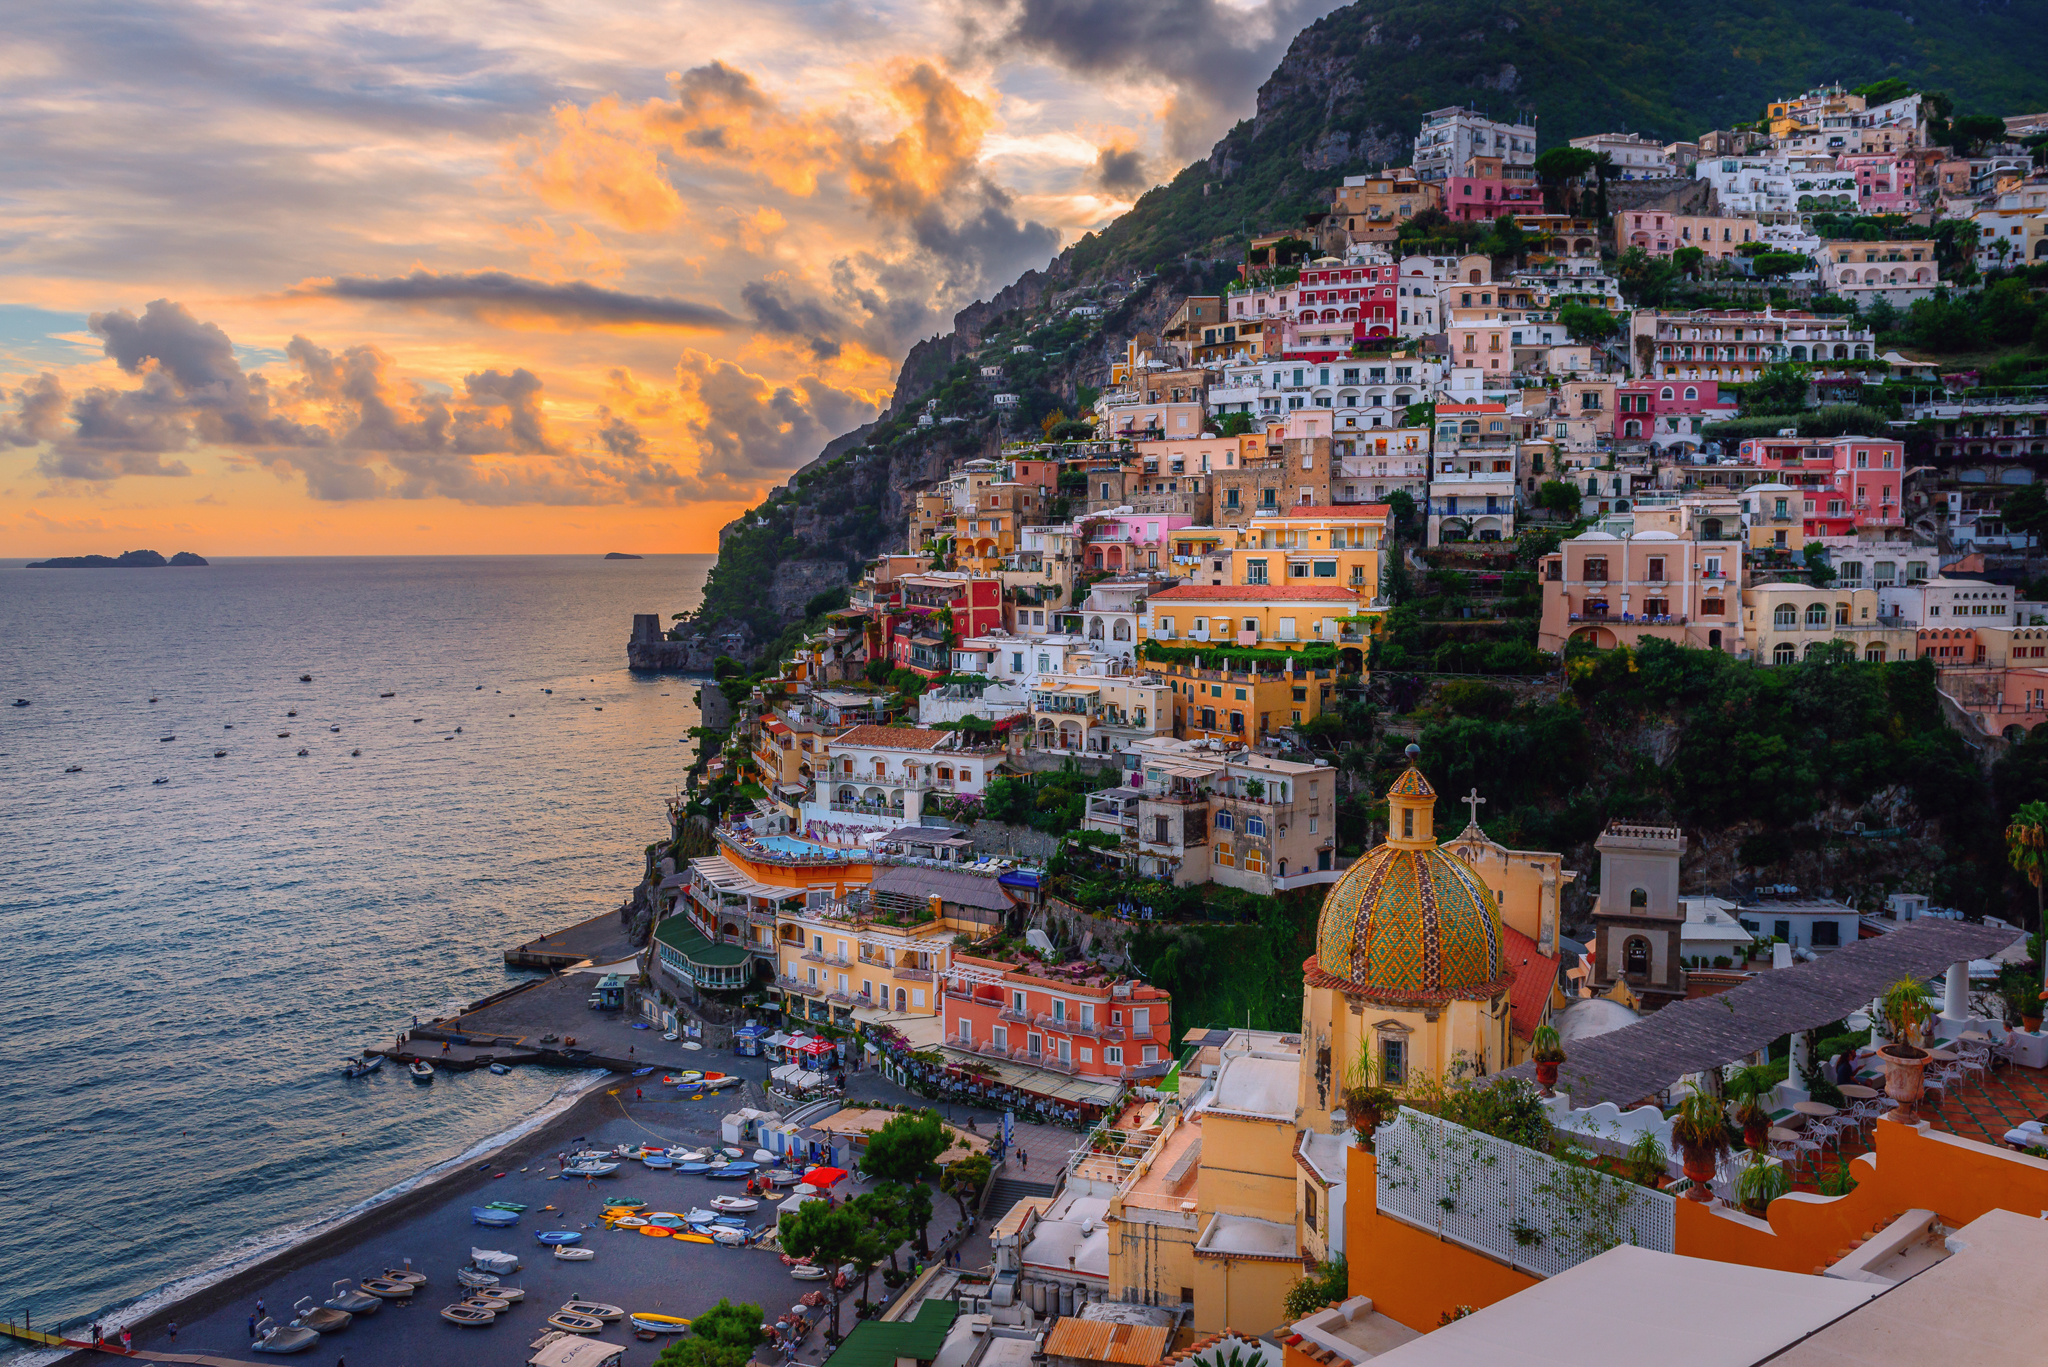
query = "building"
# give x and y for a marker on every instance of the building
(1098, 715)
(1661, 234)
(1811, 923)
(877, 776)
(1287, 616)
(1935, 604)
(1887, 182)
(1634, 156)
(1609, 590)
(1844, 485)
(1450, 139)
(1670, 417)
(1734, 345)
(973, 603)
(1638, 922)
(1380, 464)
(1291, 472)
(1372, 208)
(1789, 621)
(1093, 1028)
(1900, 273)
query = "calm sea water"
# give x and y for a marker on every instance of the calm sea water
(187, 962)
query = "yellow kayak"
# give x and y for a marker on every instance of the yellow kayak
(688, 1238)
(660, 1324)
(658, 1231)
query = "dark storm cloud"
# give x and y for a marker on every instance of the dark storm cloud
(1121, 171)
(806, 319)
(500, 295)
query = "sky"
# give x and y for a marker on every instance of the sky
(415, 277)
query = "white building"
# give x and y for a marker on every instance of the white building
(1362, 393)
(1451, 138)
(1778, 189)
(1472, 506)
(1416, 294)
(877, 777)
(1952, 603)
(1635, 157)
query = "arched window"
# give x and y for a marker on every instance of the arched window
(1875, 655)
(1631, 428)
(1786, 617)
(1691, 392)
(1666, 392)
(1223, 821)
(1816, 615)
(1120, 630)
(1639, 897)
(1784, 654)
(1635, 956)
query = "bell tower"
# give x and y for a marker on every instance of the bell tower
(1638, 922)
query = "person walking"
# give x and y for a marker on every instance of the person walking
(1024, 1160)
(252, 1326)
(174, 1331)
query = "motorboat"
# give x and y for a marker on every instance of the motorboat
(158, 781)
(220, 754)
(469, 1316)
(565, 1254)
(496, 1219)
(783, 1177)
(734, 1153)
(347, 1298)
(659, 1324)
(272, 1337)
(589, 1155)
(491, 1260)
(804, 1272)
(605, 1169)
(319, 1318)
(405, 1274)
(361, 1065)
(734, 1203)
(500, 1069)
(386, 1289)
(559, 1237)
(733, 1172)
(736, 1221)
(572, 1323)
(658, 1160)
(303, 752)
(421, 1070)
(731, 1235)
(475, 1280)
(701, 1217)
(387, 695)
(305, 678)
(596, 1309)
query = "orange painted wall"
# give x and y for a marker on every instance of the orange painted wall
(1411, 1276)
(841, 876)
(1916, 1168)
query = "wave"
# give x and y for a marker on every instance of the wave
(257, 1248)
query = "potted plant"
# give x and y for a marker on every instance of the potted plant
(1749, 1086)
(1548, 1051)
(1904, 1011)
(1759, 1183)
(1700, 1132)
(1367, 1100)
(1646, 1160)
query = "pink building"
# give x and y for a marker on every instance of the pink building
(1492, 190)
(1612, 590)
(1886, 182)
(1850, 483)
(1085, 1024)
(1668, 412)
(1128, 541)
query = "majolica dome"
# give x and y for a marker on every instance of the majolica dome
(1411, 922)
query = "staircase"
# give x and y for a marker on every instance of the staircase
(1005, 1192)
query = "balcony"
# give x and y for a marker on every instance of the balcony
(1011, 1013)
(868, 808)
(915, 975)
(799, 986)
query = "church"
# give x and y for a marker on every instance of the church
(1431, 959)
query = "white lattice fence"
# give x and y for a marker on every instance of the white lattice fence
(1530, 1210)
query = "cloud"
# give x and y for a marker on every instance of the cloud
(1121, 172)
(1213, 54)
(510, 300)
(805, 319)
(38, 411)
(749, 430)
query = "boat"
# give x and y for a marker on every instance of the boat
(559, 1237)
(473, 1279)
(469, 1316)
(660, 1324)
(626, 1203)
(512, 1206)
(305, 678)
(361, 1065)
(733, 1172)
(320, 1319)
(272, 1337)
(735, 1221)
(701, 1217)
(421, 1070)
(334, 728)
(497, 1219)
(570, 1322)
(283, 734)
(643, 1072)
(500, 1069)
(354, 753)
(492, 1302)
(689, 1077)
(510, 1294)
(692, 1237)
(656, 1231)
(387, 695)
(23, 702)
(592, 1169)
(734, 1153)
(734, 1203)
(293, 712)
(220, 754)
(783, 1177)
(161, 740)
(658, 1160)
(347, 1297)
(385, 1289)
(667, 1219)
(76, 769)
(405, 1274)
(691, 1044)
(731, 1235)
(158, 782)
(804, 1272)
(693, 1169)
(303, 752)
(629, 1222)
(574, 1255)
(671, 1036)
(595, 1309)
(491, 1260)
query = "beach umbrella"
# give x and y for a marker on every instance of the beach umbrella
(824, 1177)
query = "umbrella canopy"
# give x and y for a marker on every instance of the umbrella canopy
(804, 1189)
(817, 1046)
(824, 1177)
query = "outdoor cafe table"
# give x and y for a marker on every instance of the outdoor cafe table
(1814, 1108)
(1941, 1055)
(1857, 1092)
(1783, 1136)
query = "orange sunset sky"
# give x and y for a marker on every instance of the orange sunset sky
(401, 278)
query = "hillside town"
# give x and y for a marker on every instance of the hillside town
(1492, 427)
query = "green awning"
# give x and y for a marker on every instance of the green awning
(876, 1343)
(685, 939)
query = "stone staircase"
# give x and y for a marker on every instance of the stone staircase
(1005, 1192)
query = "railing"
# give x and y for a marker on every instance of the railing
(867, 808)
(798, 985)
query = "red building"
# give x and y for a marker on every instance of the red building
(1850, 482)
(1493, 189)
(917, 642)
(1085, 1024)
(1668, 411)
(1349, 293)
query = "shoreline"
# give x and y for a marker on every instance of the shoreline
(227, 1273)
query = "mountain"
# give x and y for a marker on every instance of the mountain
(127, 560)
(1352, 89)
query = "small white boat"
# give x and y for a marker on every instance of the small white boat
(387, 1289)
(483, 1300)
(590, 1169)
(734, 1203)
(272, 1337)
(347, 1298)
(700, 1217)
(500, 1069)
(694, 1156)
(492, 1260)
(691, 1044)
(597, 1309)
(804, 1272)
(510, 1294)
(567, 1254)
(734, 1153)
(474, 1279)
(572, 1323)
(671, 1037)
(729, 1235)
(421, 1070)
(469, 1316)
(362, 1065)
(320, 1319)
(763, 1156)
(405, 1274)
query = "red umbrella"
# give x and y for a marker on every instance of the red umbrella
(824, 1177)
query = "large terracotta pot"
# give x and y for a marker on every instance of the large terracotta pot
(1902, 1077)
(1701, 1170)
(1755, 1133)
(1546, 1075)
(2030, 1023)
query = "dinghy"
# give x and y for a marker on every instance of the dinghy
(693, 1169)
(572, 1323)
(660, 1324)
(731, 1235)
(629, 1222)
(804, 1272)
(736, 1221)
(272, 1337)
(734, 1203)
(497, 1305)
(473, 1279)
(733, 1172)
(701, 1217)
(469, 1316)
(354, 1302)
(666, 1219)
(558, 1237)
(319, 1318)
(500, 1069)
(497, 1219)
(574, 1255)
(385, 1289)
(595, 1309)
(512, 1295)
(696, 1156)
(592, 1169)
(734, 1153)
(361, 1065)
(405, 1274)
(491, 1260)
(421, 1070)
(657, 1160)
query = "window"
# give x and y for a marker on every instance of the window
(1224, 821)
(1785, 618)
(1826, 934)
(1393, 1061)
(1113, 1056)
(1223, 854)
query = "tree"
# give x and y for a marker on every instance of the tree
(1560, 171)
(2025, 509)
(1689, 260)
(1883, 92)
(829, 1236)
(1073, 429)
(2026, 849)
(1401, 505)
(1587, 323)
(1328, 1284)
(883, 1210)
(1559, 498)
(723, 1336)
(964, 1180)
(1817, 567)
(1234, 425)
(1779, 389)
(1971, 131)
(907, 1147)
(1769, 264)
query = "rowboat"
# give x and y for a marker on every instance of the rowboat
(405, 1274)
(733, 1236)
(497, 1305)
(572, 1323)
(597, 1309)
(497, 1219)
(386, 1290)
(693, 1169)
(469, 1316)
(734, 1203)
(574, 1255)
(658, 1160)
(660, 1324)
(591, 1169)
(733, 1172)
(514, 1294)
(473, 1279)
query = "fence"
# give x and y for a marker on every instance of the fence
(1537, 1213)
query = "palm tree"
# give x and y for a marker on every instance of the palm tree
(2026, 847)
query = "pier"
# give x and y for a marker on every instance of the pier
(545, 1023)
(602, 939)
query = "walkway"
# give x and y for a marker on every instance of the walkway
(37, 1336)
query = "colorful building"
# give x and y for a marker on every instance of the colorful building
(1846, 485)
(1608, 590)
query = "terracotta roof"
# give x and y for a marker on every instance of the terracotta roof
(1255, 593)
(892, 737)
(1098, 1341)
(1358, 510)
(1535, 976)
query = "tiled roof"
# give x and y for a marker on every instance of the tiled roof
(892, 737)
(1626, 1065)
(1535, 976)
(1340, 510)
(1255, 593)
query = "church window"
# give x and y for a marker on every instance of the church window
(1408, 823)
(1638, 897)
(1393, 1061)
(1635, 955)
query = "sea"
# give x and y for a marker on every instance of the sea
(193, 943)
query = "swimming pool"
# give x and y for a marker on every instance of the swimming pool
(789, 844)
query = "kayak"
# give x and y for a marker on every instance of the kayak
(558, 1237)
(660, 1324)
(658, 1231)
(694, 1238)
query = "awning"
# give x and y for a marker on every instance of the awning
(1074, 1090)
(776, 1040)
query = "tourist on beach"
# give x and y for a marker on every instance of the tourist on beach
(252, 1326)
(174, 1331)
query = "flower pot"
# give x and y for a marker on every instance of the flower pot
(2031, 1024)
(1756, 1133)
(1903, 1066)
(1700, 1169)
(1546, 1075)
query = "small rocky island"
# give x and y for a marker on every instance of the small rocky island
(620, 555)
(127, 560)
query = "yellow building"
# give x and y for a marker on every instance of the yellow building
(1787, 621)
(1241, 704)
(1315, 545)
(1271, 616)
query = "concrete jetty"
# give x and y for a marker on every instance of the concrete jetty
(546, 1022)
(602, 939)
